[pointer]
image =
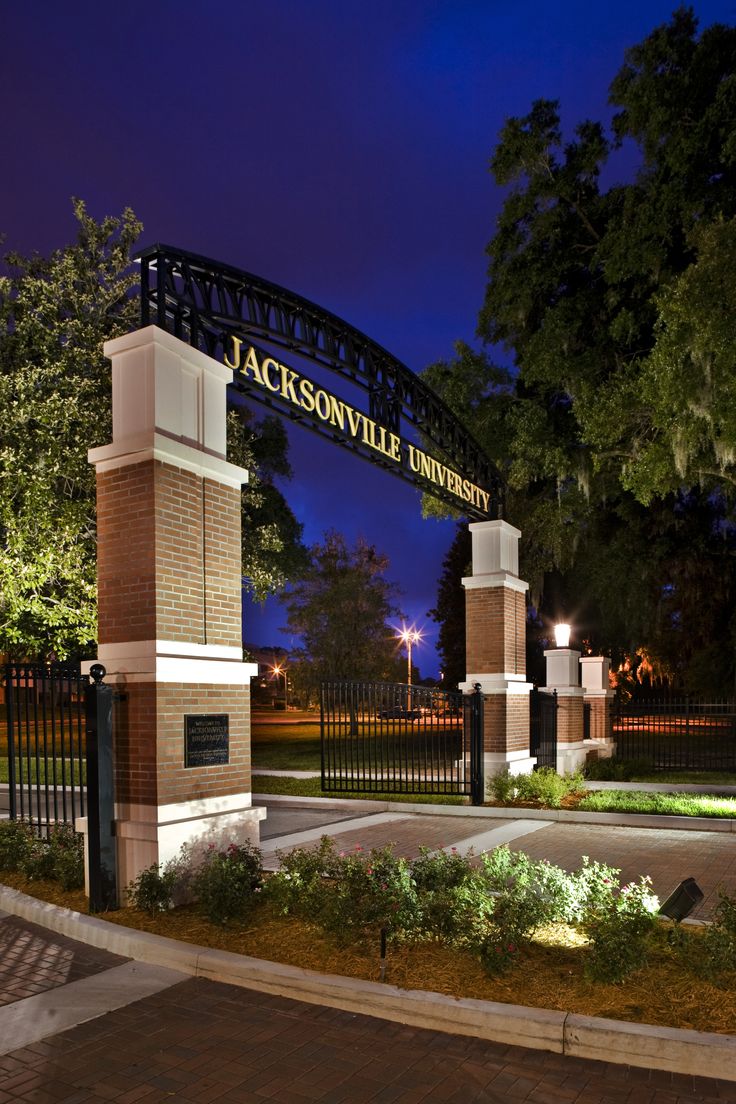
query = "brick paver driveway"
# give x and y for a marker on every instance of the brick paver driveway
(200, 1041)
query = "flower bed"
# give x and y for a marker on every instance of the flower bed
(500, 928)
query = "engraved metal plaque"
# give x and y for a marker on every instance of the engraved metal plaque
(206, 739)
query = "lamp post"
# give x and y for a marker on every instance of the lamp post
(279, 670)
(409, 637)
(562, 635)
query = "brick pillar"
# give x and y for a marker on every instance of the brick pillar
(563, 675)
(495, 635)
(599, 698)
(169, 589)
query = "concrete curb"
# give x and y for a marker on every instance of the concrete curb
(697, 1053)
(560, 816)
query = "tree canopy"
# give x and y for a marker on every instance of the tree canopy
(340, 608)
(615, 426)
(55, 404)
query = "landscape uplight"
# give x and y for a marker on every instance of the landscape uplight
(682, 900)
(562, 635)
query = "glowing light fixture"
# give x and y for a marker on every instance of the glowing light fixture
(279, 669)
(562, 635)
(409, 637)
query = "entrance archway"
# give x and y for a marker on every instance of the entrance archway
(225, 312)
(169, 535)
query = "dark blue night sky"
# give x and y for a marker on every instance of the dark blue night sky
(338, 148)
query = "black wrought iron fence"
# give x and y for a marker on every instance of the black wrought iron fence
(543, 727)
(677, 733)
(382, 737)
(45, 742)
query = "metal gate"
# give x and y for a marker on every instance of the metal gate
(380, 737)
(45, 742)
(543, 727)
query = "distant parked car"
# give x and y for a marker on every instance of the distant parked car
(398, 713)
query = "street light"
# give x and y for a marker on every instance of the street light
(409, 637)
(562, 635)
(279, 670)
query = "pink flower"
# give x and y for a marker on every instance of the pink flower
(358, 847)
(369, 870)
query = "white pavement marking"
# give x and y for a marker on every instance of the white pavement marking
(33, 1018)
(296, 839)
(494, 837)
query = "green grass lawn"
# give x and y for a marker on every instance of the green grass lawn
(312, 787)
(298, 747)
(689, 778)
(43, 770)
(634, 801)
(285, 746)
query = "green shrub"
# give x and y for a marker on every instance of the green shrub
(16, 840)
(38, 864)
(372, 890)
(544, 785)
(590, 889)
(524, 895)
(530, 898)
(153, 890)
(549, 788)
(496, 955)
(453, 900)
(617, 770)
(503, 787)
(299, 887)
(718, 944)
(502, 866)
(619, 928)
(67, 856)
(58, 857)
(226, 882)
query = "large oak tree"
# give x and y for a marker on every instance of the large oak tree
(616, 303)
(55, 315)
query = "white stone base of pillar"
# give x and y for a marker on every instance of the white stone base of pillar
(150, 835)
(570, 757)
(600, 749)
(498, 762)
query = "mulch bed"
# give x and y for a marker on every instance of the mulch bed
(548, 974)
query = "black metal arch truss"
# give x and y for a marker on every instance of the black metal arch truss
(204, 303)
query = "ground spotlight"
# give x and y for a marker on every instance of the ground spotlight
(682, 900)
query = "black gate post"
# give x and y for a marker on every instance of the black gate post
(477, 783)
(10, 715)
(103, 890)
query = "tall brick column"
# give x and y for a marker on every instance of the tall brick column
(169, 587)
(563, 675)
(495, 645)
(598, 697)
